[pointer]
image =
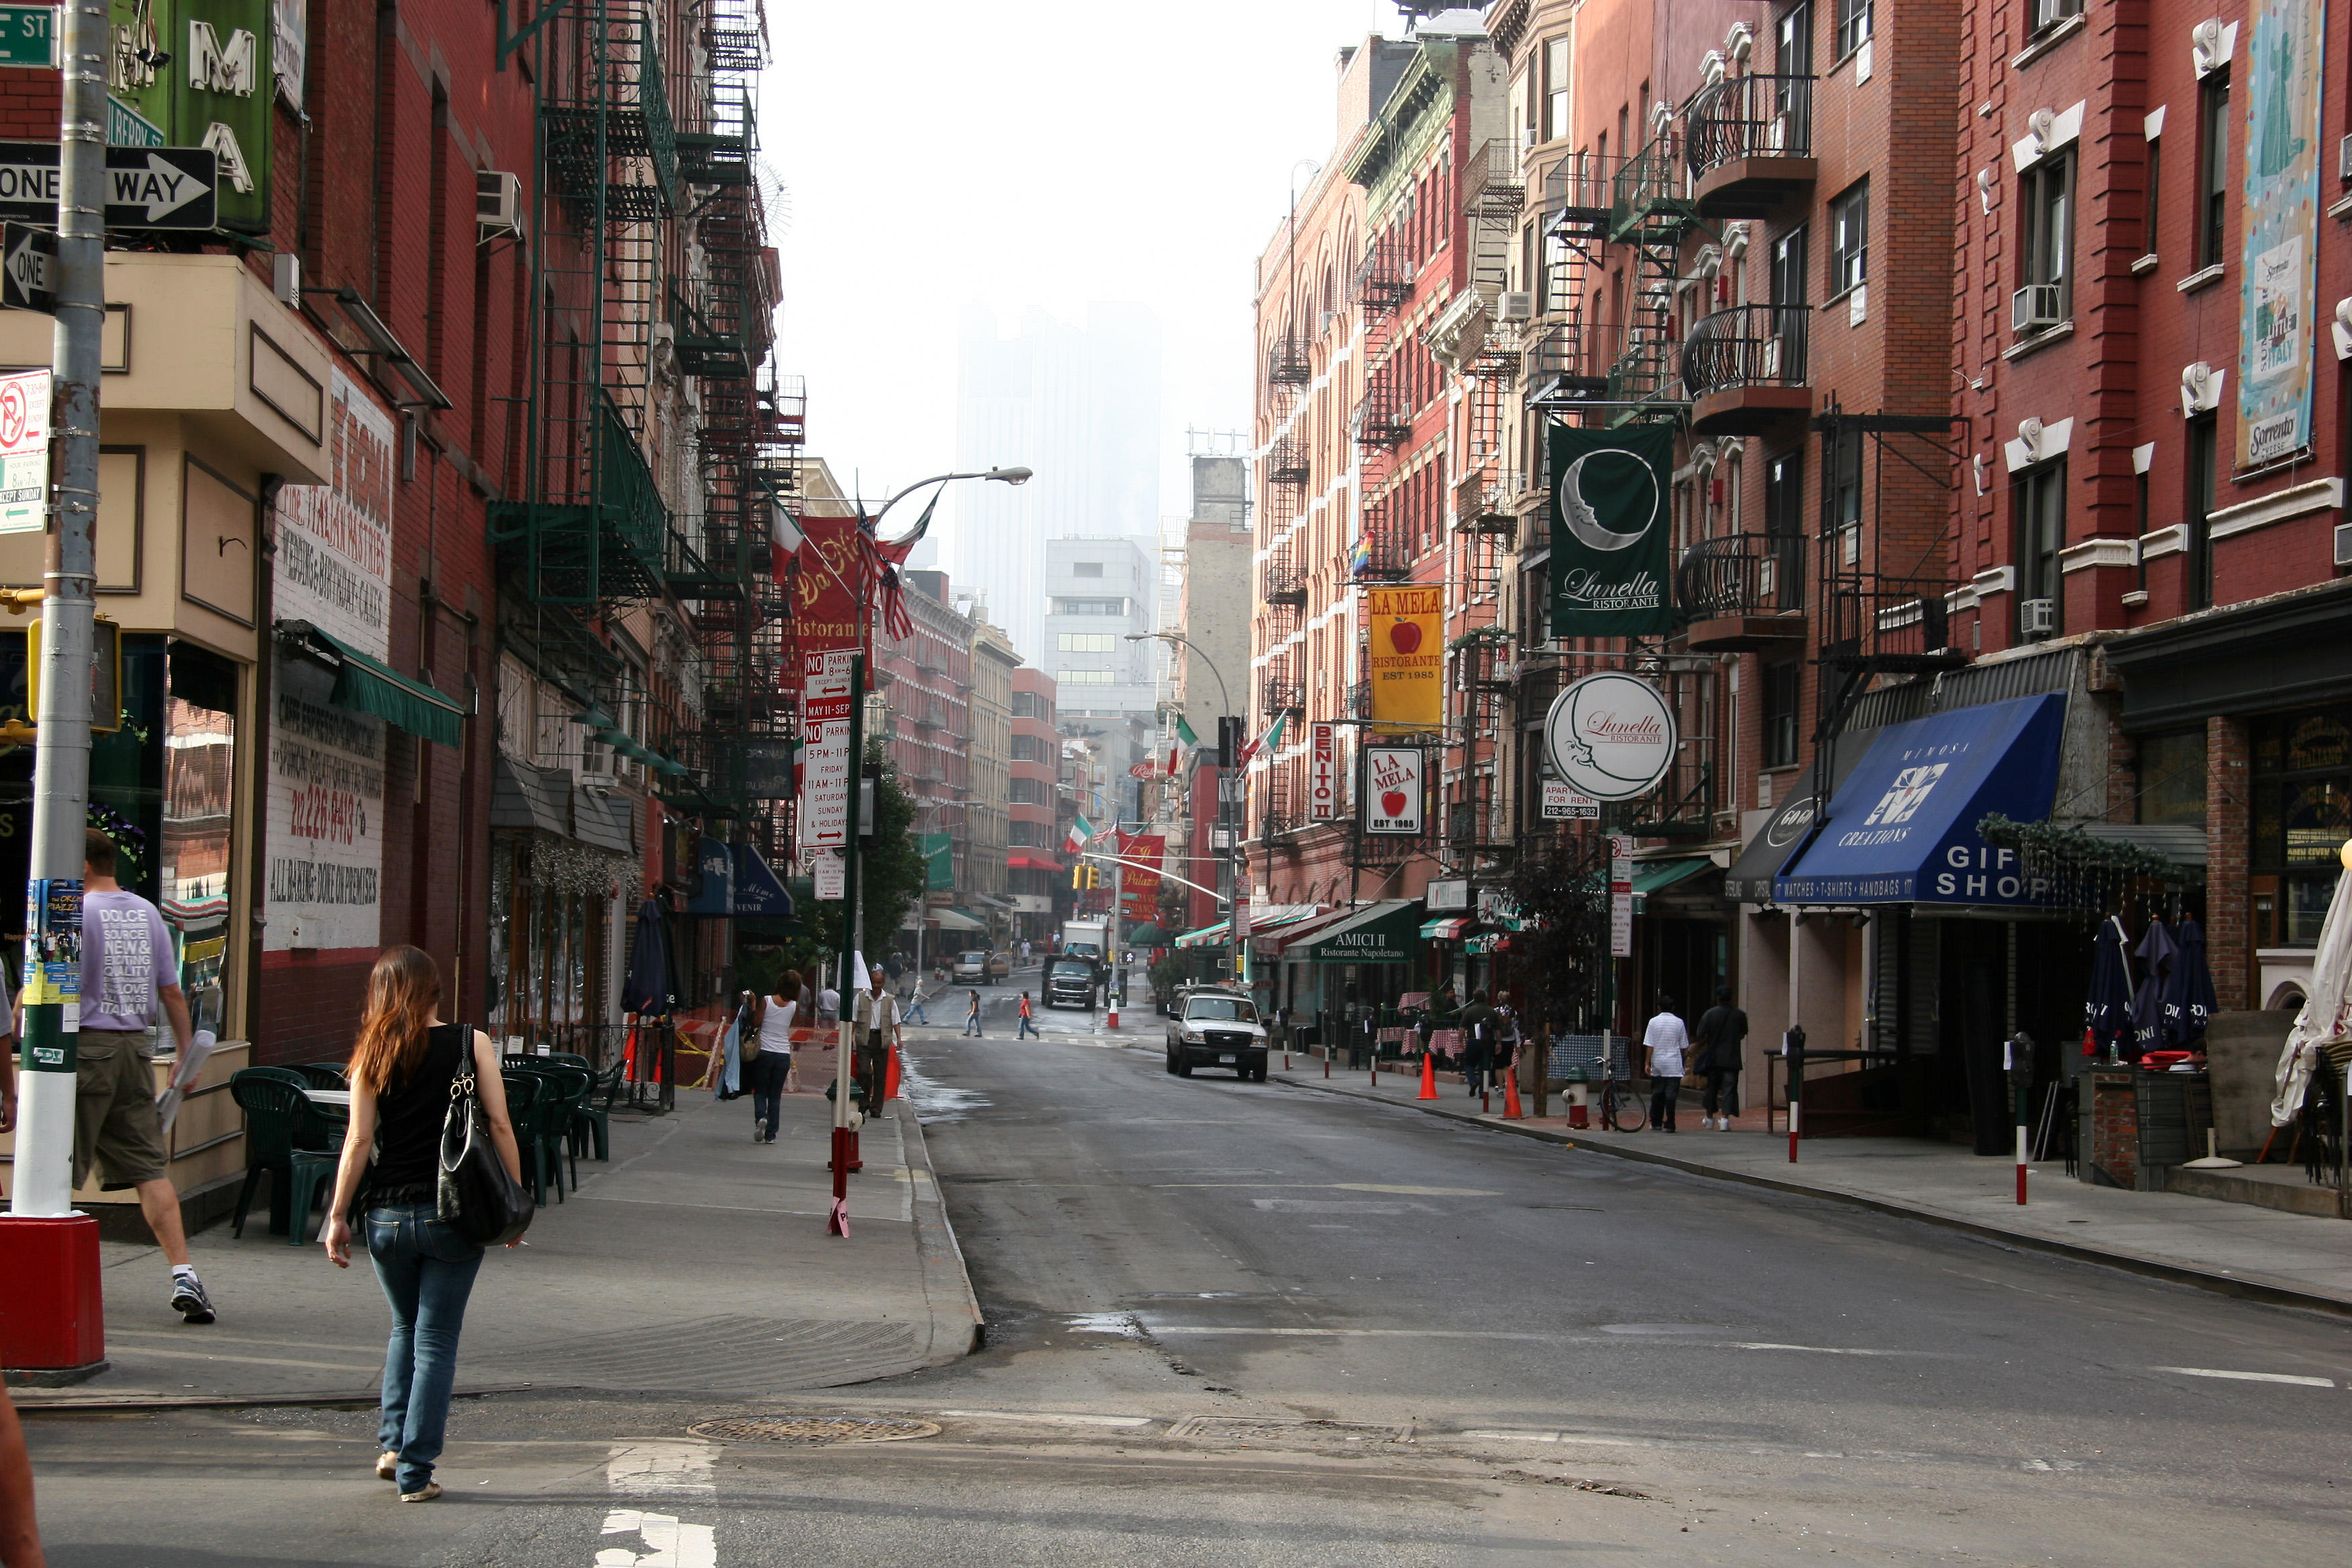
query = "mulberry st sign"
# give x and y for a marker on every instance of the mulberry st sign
(1611, 736)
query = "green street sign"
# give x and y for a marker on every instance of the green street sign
(126, 127)
(29, 36)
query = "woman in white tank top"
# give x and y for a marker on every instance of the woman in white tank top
(769, 1062)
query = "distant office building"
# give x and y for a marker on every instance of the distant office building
(1081, 406)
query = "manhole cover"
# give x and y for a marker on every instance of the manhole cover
(812, 1431)
(1285, 1429)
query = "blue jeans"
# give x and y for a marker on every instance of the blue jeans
(972, 1025)
(914, 1012)
(764, 1077)
(1027, 1027)
(426, 1270)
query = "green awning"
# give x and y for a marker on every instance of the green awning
(1386, 932)
(1205, 936)
(367, 685)
(1147, 936)
(1650, 876)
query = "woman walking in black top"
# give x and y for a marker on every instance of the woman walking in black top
(401, 1070)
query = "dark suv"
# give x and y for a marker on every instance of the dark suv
(1069, 983)
(1218, 1029)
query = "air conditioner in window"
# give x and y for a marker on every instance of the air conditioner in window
(2344, 544)
(1519, 307)
(2037, 617)
(1768, 361)
(2035, 308)
(497, 203)
(1776, 134)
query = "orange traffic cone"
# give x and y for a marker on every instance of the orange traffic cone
(1511, 1112)
(1428, 1076)
(890, 1088)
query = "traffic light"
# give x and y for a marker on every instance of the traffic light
(1077, 878)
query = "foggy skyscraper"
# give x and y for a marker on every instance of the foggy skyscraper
(1081, 406)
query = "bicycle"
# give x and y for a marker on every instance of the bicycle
(1622, 1106)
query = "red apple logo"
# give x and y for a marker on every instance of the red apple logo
(1404, 636)
(1392, 802)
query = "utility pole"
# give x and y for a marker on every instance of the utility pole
(842, 1137)
(48, 1254)
(44, 1184)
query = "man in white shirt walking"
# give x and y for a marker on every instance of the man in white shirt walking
(1667, 1044)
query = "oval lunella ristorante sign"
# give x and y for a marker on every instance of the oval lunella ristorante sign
(1611, 736)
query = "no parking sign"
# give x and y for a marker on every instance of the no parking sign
(24, 451)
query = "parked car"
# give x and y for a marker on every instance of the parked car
(1217, 1028)
(971, 966)
(999, 966)
(1069, 983)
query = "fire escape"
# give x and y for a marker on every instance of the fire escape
(586, 527)
(1285, 471)
(1651, 214)
(1383, 283)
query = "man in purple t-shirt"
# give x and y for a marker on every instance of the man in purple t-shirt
(127, 973)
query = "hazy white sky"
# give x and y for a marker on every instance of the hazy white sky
(1045, 152)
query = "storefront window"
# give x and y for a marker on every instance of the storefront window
(2303, 812)
(193, 869)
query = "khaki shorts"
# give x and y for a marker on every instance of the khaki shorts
(115, 1124)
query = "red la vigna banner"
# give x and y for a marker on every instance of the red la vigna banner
(1140, 889)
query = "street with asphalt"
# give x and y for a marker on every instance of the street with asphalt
(1237, 1324)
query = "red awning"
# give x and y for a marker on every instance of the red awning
(1021, 861)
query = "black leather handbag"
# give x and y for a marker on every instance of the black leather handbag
(475, 1196)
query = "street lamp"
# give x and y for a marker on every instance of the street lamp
(844, 1139)
(1224, 699)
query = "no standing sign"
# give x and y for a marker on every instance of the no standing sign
(24, 451)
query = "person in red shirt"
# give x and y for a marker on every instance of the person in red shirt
(1028, 1025)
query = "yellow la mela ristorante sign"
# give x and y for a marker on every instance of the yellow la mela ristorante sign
(1408, 656)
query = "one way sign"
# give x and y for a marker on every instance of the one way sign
(28, 259)
(146, 187)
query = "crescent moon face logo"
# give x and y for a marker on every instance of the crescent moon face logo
(1576, 514)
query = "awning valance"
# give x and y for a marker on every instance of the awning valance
(368, 685)
(948, 920)
(757, 889)
(1025, 860)
(1903, 827)
(529, 799)
(1447, 928)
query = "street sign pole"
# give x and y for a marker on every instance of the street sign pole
(44, 1184)
(47, 1253)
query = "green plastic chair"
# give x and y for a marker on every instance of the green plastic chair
(571, 1086)
(277, 1116)
(323, 1075)
(526, 1092)
(592, 1119)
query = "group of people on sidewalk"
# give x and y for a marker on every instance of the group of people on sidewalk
(1674, 1053)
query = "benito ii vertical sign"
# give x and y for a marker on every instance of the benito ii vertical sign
(1609, 531)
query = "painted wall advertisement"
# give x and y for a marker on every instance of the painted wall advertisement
(1393, 792)
(326, 764)
(1407, 657)
(2279, 286)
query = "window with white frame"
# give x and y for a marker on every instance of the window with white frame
(1850, 238)
(2047, 191)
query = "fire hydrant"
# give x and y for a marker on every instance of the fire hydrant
(1578, 1098)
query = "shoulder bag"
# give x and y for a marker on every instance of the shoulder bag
(476, 1197)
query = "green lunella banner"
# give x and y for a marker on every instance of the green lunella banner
(199, 70)
(1609, 528)
(938, 861)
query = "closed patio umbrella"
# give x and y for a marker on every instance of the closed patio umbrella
(2158, 955)
(649, 986)
(2107, 1010)
(2189, 992)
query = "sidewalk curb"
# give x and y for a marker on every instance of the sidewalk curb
(2238, 1285)
(958, 1327)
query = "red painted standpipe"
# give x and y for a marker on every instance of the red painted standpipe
(2020, 1164)
(1796, 1112)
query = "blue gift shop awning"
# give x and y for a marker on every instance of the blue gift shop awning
(1902, 828)
(757, 891)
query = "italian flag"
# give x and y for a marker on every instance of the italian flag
(1082, 833)
(1267, 742)
(1186, 742)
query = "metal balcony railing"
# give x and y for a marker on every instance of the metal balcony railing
(1286, 463)
(1288, 363)
(1384, 418)
(1747, 345)
(1647, 191)
(1285, 584)
(1496, 184)
(1384, 279)
(1742, 574)
(1754, 116)
(1644, 372)
(1283, 695)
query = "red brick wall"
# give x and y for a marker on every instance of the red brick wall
(2229, 941)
